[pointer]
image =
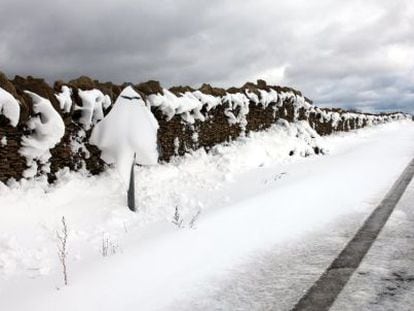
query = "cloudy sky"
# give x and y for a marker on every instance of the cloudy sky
(354, 53)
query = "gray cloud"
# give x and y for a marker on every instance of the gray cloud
(354, 53)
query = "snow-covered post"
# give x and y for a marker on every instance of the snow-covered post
(127, 136)
(131, 188)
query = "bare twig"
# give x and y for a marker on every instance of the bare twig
(177, 219)
(105, 246)
(62, 237)
(194, 219)
(108, 246)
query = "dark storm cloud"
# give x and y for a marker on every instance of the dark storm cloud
(340, 53)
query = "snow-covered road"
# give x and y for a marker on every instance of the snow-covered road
(385, 278)
(269, 226)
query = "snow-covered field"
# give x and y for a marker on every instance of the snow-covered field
(199, 219)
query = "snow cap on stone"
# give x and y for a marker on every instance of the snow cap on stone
(9, 107)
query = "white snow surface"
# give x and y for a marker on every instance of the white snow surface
(48, 129)
(129, 128)
(239, 200)
(9, 107)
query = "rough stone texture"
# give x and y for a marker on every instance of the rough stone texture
(149, 87)
(12, 164)
(35, 85)
(209, 90)
(178, 90)
(175, 136)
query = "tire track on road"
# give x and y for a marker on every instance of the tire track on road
(323, 293)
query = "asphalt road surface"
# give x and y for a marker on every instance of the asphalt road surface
(323, 293)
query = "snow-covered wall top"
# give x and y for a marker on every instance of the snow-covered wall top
(44, 129)
(9, 107)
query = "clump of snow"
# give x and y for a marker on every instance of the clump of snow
(129, 128)
(187, 105)
(48, 129)
(176, 145)
(3, 141)
(93, 104)
(190, 104)
(237, 101)
(268, 97)
(335, 118)
(65, 98)
(252, 96)
(207, 100)
(9, 107)
(194, 137)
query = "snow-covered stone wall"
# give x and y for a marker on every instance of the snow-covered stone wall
(45, 129)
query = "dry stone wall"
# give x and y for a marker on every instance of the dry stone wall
(189, 119)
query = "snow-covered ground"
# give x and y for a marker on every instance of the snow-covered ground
(242, 207)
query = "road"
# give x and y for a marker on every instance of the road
(324, 292)
(362, 262)
(385, 278)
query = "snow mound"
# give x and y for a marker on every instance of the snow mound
(129, 128)
(9, 107)
(48, 129)
(93, 104)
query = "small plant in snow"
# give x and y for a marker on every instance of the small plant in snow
(108, 247)
(125, 227)
(177, 219)
(62, 237)
(194, 219)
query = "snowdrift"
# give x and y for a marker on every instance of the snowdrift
(189, 119)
